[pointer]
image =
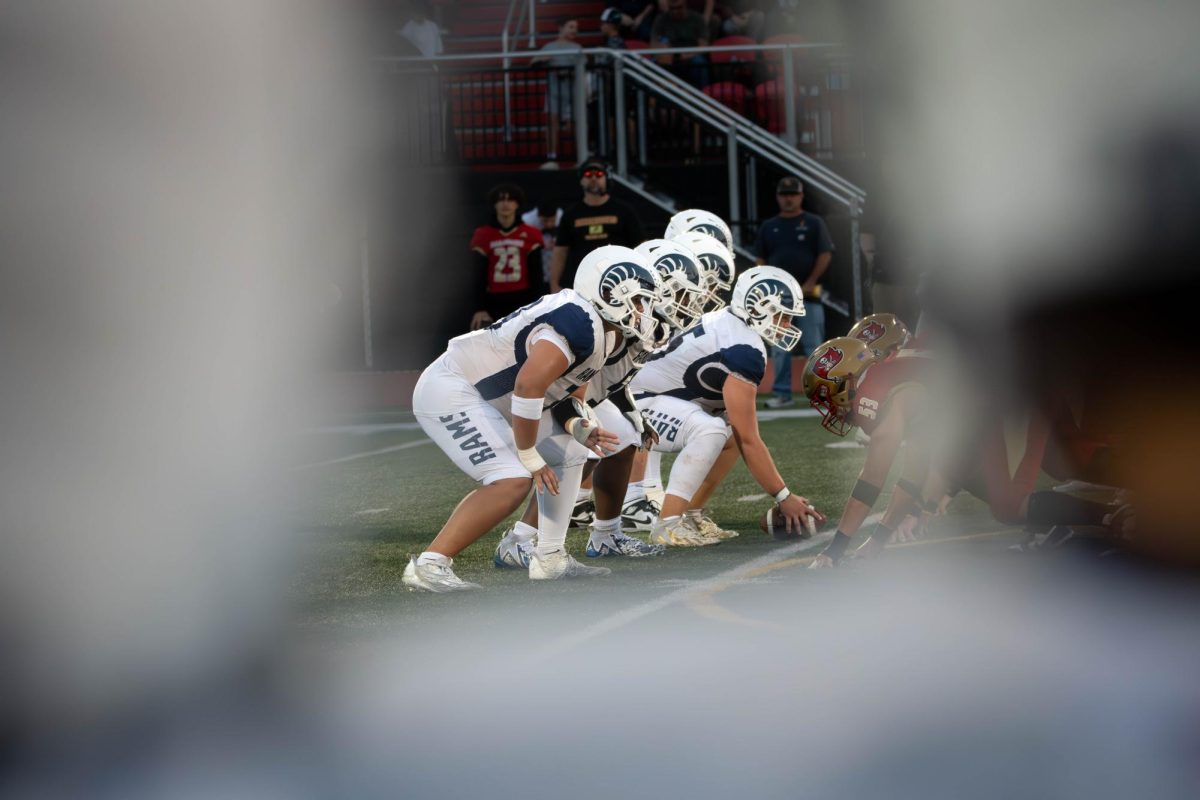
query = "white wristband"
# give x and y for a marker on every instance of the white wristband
(527, 407)
(783, 494)
(530, 460)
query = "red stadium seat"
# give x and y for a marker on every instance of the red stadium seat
(733, 55)
(729, 94)
(769, 108)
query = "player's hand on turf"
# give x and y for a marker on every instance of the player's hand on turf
(907, 531)
(544, 480)
(481, 319)
(822, 561)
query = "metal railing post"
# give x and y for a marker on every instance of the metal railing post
(641, 127)
(751, 188)
(532, 25)
(580, 113)
(619, 115)
(601, 112)
(735, 214)
(856, 258)
(789, 97)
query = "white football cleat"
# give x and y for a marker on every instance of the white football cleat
(678, 532)
(434, 578)
(621, 545)
(560, 564)
(583, 514)
(512, 553)
(707, 527)
(639, 515)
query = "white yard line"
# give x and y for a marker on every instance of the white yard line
(367, 454)
(367, 429)
(632, 614)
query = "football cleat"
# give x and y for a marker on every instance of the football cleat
(560, 564)
(583, 514)
(678, 532)
(512, 553)
(434, 578)
(709, 529)
(639, 515)
(621, 545)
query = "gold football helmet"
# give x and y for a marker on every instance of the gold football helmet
(830, 377)
(883, 334)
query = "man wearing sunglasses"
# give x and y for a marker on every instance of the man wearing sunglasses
(596, 221)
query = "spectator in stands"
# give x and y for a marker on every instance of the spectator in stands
(595, 222)
(637, 18)
(422, 31)
(741, 18)
(610, 29)
(560, 83)
(545, 218)
(508, 274)
(798, 242)
(682, 27)
(815, 20)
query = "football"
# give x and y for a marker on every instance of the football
(773, 523)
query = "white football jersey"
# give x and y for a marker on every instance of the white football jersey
(696, 363)
(618, 370)
(491, 357)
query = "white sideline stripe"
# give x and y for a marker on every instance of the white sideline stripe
(622, 618)
(378, 427)
(845, 446)
(752, 498)
(368, 453)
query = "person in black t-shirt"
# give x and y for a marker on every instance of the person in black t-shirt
(595, 222)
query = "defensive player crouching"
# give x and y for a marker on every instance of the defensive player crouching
(707, 374)
(483, 402)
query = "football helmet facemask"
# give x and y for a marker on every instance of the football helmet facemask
(700, 221)
(716, 267)
(766, 299)
(831, 377)
(683, 289)
(624, 288)
(883, 334)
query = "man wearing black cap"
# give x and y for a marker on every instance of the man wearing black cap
(597, 221)
(798, 242)
(508, 275)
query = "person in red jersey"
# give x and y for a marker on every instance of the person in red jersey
(509, 276)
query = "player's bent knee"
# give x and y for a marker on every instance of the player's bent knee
(512, 490)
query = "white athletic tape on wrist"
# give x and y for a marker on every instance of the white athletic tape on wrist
(783, 494)
(527, 407)
(531, 459)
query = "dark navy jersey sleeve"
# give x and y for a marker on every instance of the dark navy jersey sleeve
(573, 324)
(746, 361)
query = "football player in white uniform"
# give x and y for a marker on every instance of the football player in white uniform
(484, 402)
(612, 403)
(699, 221)
(716, 271)
(709, 374)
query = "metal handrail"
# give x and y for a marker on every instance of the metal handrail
(714, 113)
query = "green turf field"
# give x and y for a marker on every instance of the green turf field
(379, 492)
